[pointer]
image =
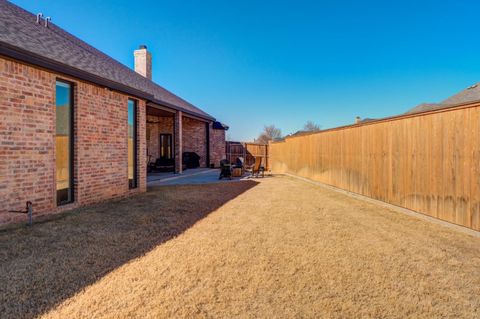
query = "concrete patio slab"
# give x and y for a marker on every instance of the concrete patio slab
(192, 176)
(162, 176)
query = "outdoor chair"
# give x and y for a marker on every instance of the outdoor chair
(256, 169)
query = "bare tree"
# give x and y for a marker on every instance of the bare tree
(311, 126)
(270, 133)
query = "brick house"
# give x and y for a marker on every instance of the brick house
(77, 127)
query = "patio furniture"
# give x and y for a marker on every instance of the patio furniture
(239, 162)
(257, 168)
(225, 169)
(164, 165)
(238, 168)
(237, 172)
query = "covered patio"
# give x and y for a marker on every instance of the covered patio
(175, 141)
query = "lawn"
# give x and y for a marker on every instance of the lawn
(272, 248)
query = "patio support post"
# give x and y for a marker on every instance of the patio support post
(178, 142)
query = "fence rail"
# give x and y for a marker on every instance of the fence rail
(428, 162)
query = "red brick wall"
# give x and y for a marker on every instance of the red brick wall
(101, 143)
(157, 125)
(195, 138)
(217, 146)
(178, 141)
(27, 142)
(27, 128)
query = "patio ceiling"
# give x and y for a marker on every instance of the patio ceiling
(156, 111)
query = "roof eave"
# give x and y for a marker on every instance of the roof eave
(28, 57)
(188, 112)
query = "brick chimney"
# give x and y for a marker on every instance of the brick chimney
(143, 62)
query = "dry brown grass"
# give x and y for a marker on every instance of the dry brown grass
(48, 263)
(283, 248)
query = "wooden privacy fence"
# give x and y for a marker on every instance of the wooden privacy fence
(248, 151)
(428, 162)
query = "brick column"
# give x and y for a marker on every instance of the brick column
(178, 142)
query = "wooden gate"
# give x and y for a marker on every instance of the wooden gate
(247, 151)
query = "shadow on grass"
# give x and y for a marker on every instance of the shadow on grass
(42, 266)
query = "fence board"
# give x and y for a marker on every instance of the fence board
(428, 162)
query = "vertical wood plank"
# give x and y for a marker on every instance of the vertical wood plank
(429, 163)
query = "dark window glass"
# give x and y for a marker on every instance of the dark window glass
(64, 142)
(132, 144)
(166, 146)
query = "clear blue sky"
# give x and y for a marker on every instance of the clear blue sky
(250, 63)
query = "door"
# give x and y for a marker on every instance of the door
(166, 149)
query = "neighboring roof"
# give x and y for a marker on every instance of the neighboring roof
(298, 133)
(470, 94)
(367, 119)
(423, 107)
(20, 32)
(219, 126)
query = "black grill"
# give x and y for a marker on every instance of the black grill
(191, 159)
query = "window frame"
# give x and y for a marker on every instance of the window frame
(71, 148)
(133, 183)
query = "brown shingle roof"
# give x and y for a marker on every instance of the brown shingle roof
(19, 30)
(423, 107)
(470, 94)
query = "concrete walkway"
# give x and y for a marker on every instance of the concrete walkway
(190, 176)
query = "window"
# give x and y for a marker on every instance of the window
(132, 143)
(64, 142)
(166, 146)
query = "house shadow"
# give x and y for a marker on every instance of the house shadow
(43, 265)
